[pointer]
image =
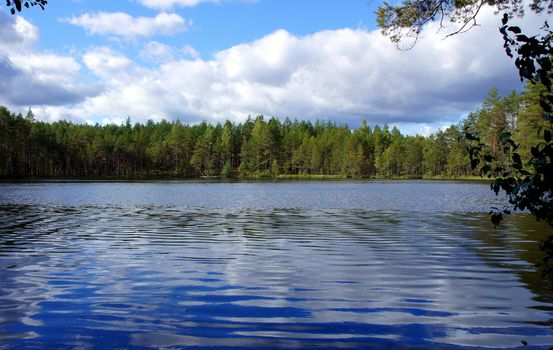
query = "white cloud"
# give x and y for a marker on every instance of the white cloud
(156, 52)
(342, 74)
(106, 63)
(28, 77)
(168, 4)
(16, 35)
(124, 25)
(47, 67)
(345, 75)
(189, 51)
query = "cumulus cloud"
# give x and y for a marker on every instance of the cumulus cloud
(16, 35)
(30, 78)
(168, 4)
(107, 63)
(48, 68)
(156, 52)
(124, 25)
(189, 51)
(345, 75)
(28, 88)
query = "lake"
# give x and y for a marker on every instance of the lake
(315, 264)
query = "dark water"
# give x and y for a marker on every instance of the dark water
(314, 265)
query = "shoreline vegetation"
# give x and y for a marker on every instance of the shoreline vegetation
(261, 178)
(261, 148)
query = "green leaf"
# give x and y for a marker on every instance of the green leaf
(486, 169)
(517, 161)
(514, 29)
(505, 135)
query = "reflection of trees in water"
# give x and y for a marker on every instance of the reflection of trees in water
(514, 246)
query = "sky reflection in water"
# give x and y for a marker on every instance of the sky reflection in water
(288, 265)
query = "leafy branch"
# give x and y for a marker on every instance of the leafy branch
(17, 5)
(407, 19)
(528, 186)
(534, 58)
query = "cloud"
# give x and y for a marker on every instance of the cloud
(189, 51)
(30, 78)
(169, 4)
(124, 25)
(345, 75)
(27, 87)
(107, 63)
(16, 35)
(48, 68)
(156, 52)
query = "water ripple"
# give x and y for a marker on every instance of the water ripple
(164, 276)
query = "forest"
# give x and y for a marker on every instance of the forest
(260, 147)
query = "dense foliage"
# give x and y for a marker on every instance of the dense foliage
(529, 183)
(259, 146)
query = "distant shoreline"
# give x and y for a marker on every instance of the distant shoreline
(220, 179)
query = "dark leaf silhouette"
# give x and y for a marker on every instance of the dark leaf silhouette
(17, 5)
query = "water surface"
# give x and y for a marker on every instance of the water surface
(168, 265)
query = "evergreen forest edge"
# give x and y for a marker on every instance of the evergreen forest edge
(261, 147)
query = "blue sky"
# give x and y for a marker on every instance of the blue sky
(215, 26)
(101, 61)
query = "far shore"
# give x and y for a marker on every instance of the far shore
(259, 178)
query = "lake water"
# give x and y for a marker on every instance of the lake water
(316, 265)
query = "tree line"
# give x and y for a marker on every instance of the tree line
(259, 147)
